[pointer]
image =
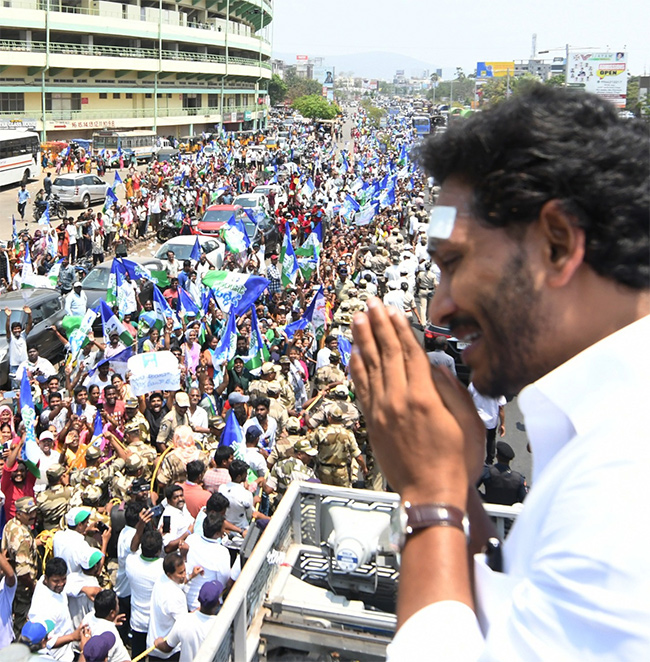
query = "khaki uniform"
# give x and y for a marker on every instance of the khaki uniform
(258, 388)
(427, 283)
(147, 453)
(52, 505)
(169, 424)
(286, 471)
(379, 264)
(351, 414)
(287, 396)
(143, 425)
(282, 449)
(120, 485)
(342, 290)
(279, 413)
(19, 546)
(337, 448)
(328, 374)
(173, 469)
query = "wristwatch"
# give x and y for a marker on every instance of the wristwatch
(409, 518)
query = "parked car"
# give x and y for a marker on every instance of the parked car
(183, 245)
(280, 193)
(47, 308)
(216, 216)
(80, 189)
(454, 349)
(95, 283)
(166, 154)
(253, 201)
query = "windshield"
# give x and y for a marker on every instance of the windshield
(246, 201)
(214, 215)
(97, 279)
(183, 251)
(263, 190)
(64, 181)
(16, 316)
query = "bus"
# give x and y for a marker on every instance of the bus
(20, 156)
(142, 144)
(422, 125)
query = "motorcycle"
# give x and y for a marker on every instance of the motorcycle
(56, 208)
(167, 230)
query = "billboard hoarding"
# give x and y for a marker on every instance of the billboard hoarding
(485, 70)
(604, 74)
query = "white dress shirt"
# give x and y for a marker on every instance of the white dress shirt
(50, 606)
(576, 580)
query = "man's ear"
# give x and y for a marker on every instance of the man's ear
(564, 243)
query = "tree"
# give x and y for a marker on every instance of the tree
(277, 90)
(316, 107)
(460, 74)
(555, 81)
(374, 114)
(300, 87)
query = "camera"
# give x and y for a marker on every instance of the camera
(156, 511)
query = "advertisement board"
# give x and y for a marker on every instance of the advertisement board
(604, 74)
(486, 70)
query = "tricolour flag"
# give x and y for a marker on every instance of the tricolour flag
(111, 324)
(111, 198)
(308, 189)
(288, 260)
(30, 453)
(366, 214)
(161, 308)
(314, 314)
(234, 291)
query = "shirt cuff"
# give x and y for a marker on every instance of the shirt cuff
(446, 630)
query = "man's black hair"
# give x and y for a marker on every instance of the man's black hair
(171, 562)
(212, 525)
(237, 468)
(105, 602)
(440, 343)
(132, 512)
(262, 401)
(151, 543)
(557, 144)
(56, 567)
(217, 503)
(195, 470)
(222, 454)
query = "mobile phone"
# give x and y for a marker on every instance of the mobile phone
(101, 527)
(100, 406)
(10, 395)
(167, 524)
(156, 511)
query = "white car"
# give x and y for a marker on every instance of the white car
(253, 201)
(280, 193)
(183, 245)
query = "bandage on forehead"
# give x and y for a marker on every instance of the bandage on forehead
(441, 222)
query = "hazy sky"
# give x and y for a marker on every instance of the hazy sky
(462, 32)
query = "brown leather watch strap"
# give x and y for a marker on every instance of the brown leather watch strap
(425, 515)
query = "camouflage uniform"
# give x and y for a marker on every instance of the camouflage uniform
(279, 412)
(286, 471)
(350, 413)
(337, 448)
(173, 469)
(258, 388)
(143, 425)
(287, 396)
(53, 504)
(19, 546)
(327, 375)
(282, 449)
(147, 453)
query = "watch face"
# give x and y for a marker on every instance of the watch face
(398, 522)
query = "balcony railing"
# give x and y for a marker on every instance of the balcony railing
(130, 113)
(124, 52)
(175, 19)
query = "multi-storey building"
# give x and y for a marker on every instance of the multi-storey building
(69, 67)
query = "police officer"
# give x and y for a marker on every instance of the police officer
(259, 387)
(330, 374)
(427, 281)
(283, 447)
(297, 467)
(53, 503)
(179, 415)
(339, 395)
(19, 546)
(503, 485)
(337, 448)
(276, 408)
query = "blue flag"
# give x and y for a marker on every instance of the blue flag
(226, 348)
(196, 250)
(117, 181)
(136, 271)
(111, 198)
(345, 347)
(30, 453)
(186, 305)
(233, 435)
(308, 315)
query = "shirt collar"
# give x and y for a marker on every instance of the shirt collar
(561, 404)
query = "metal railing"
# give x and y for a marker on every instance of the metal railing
(214, 24)
(297, 523)
(124, 52)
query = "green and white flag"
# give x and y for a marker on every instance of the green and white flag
(111, 324)
(233, 290)
(288, 260)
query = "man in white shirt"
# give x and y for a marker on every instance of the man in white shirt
(76, 303)
(36, 366)
(8, 586)
(49, 603)
(520, 234)
(190, 631)
(48, 458)
(240, 510)
(17, 338)
(176, 519)
(70, 544)
(491, 411)
(104, 618)
(323, 356)
(143, 570)
(207, 551)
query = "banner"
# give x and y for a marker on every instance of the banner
(154, 371)
(604, 74)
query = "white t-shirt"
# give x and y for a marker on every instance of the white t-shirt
(79, 603)
(122, 586)
(213, 557)
(168, 603)
(7, 594)
(72, 547)
(17, 349)
(255, 460)
(45, 462)
(142, 575)
(190, 632)
(50, 606)
(118, 652)
(323, 357)
(240, 510)
(487, 408)
(180, 521)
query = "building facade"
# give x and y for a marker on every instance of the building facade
(70, 67)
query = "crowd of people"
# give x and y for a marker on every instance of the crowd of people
(125, 511)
